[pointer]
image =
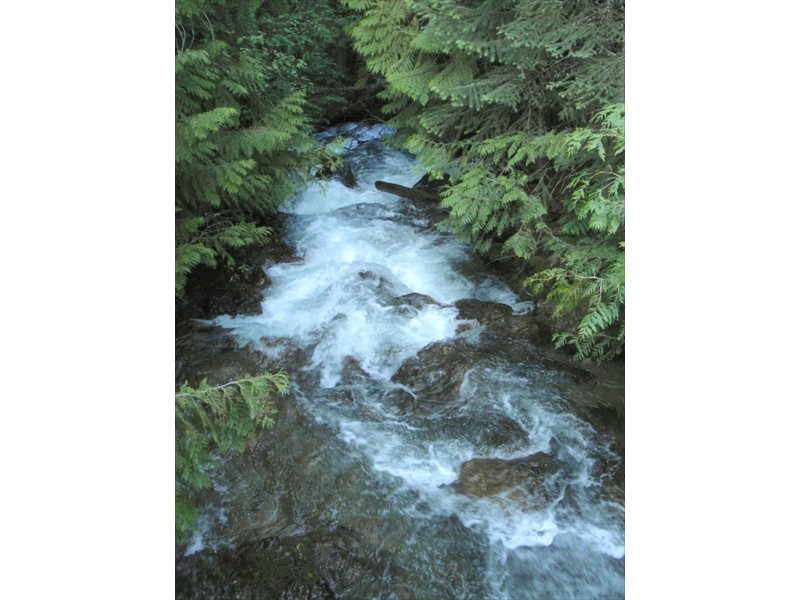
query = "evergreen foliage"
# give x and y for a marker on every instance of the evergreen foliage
(520, 105)
(211, 421)
(250, 79)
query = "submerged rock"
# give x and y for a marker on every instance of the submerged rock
(383, 284)
(400, 401)
(282, 353)
(525, 479)
(487, 431)
(290, 568)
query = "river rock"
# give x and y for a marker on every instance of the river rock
(517, 327)
(418, 301)
(206, 351)
(500, 320)
(526, 479)
(282, 354)
(352, 373)
(610, 470)
(289, 568)
(213, 292)
(481, 310)
(462, 327)
(487, 431)
(344, 174)
(437, 371)
(399, 401)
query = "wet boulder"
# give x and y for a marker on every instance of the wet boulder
(462, 327)
(204, 351)
(481, 310)
(437, 371)
(517, 327)
(352, 373)
(487, 431)
(376, 280)
(213, 292)
(610, 470)
(500, 320)
(399, 401)
(382, 286)
(210, 352)
(346, 176)
(528, 480)
(282, 354)
(418, 301)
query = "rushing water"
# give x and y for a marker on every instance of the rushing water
(359, 469)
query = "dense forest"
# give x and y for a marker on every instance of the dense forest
(513, 109)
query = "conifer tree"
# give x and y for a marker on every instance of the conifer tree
(249, 78)
(519, 105)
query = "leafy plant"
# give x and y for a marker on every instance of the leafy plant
(250, 78)
(211, 421)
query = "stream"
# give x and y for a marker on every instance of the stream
(432, 446)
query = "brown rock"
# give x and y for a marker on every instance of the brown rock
(207, 351)
(481, 310)
(517, 327)
(464, 327)
(437, 371)
(500, 320)
(526, 479)
(418, 301)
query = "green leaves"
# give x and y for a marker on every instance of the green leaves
(519, 103)
(246, 82)
(211, 421)
(204, 240)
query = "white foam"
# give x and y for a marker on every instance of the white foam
(323, 197)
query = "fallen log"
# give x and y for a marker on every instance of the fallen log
(406, 192)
